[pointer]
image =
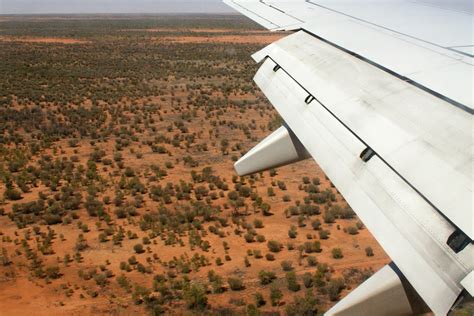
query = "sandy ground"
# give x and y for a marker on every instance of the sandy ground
(20, 294)
(42, 40)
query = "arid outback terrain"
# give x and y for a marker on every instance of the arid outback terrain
(117, 190)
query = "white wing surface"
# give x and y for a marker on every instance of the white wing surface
(381, 95)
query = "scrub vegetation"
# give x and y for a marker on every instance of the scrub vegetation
(118, 136)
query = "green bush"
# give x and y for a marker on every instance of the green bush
(275, 295)
(259, 299)
(266, 277)
(195, 296)
(337, 253)
(138, 248)
(274, 246)
(235, 284)
(334, 288)
(307, 305)
(292, 282)
(286, 265)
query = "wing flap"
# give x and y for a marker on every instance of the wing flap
(398, 121)
(408, 228)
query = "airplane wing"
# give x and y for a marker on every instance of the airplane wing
(380, 94)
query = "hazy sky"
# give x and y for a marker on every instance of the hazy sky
(112, 6)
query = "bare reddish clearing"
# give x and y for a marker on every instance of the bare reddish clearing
(42, 40)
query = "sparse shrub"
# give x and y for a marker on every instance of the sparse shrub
(270, 257)
(258, 223)
(274, 246)
(316, 224)
(307, 280)
(311, 247)
(275, 295)
(323, 234)
(329, 217)
(292, 282)
(286, 265)
(266, 277)
(235, 284)
(52, 272)
(247, 262)
(249, 237)
(259, 299)
(312, 261)
(352, 230)
(292, 233)
(195, 296)
(337, 253)
(307, 305)
(138, 248)
(334, 288)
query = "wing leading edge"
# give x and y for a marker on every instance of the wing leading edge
(413, 186)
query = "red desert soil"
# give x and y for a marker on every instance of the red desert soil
(45, 40)
(23, 294)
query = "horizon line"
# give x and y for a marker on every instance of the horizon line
(121, 13)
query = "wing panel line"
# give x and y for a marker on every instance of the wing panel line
(403, 78)
(367, 145)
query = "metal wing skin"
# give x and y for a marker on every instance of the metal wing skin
(380, 94)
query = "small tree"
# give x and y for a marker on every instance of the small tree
(316, 224)
(292, 233)
(247, 262)
(293, 284)
(138, 248)
(307, 280)
(52, 272)
(337, 253)
(369, 251)
(270, 257)
(323, 234)
(266, 277)
(275, 295)
(334, 288)
(352, 230)
(195, 296)
(286, 265)
(4, 259)
(259, 299)
(274, 246)
(312, 261)
(235, 284)
(306, 305)
(258, 223)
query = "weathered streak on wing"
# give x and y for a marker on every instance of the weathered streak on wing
(430, 61)
(398, 120)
